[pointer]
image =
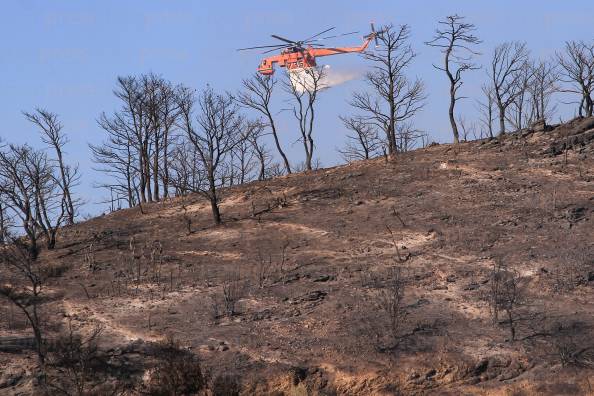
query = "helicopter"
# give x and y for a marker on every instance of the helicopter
(299, 57)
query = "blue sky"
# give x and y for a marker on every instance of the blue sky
(66, 55)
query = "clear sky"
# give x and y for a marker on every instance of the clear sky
(65, 55)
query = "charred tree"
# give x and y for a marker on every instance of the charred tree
(22, 287)
(577, 70)
(212, 125)
(507, 61)
(30, 190)
(52, 135)
(394, 98)
(487, 109)
(543, 85)
(304, 89)
(456, 39)
(256, 95)
(140, 137)
(364, 141)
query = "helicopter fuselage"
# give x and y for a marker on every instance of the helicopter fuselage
(294, 58)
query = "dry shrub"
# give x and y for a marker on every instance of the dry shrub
(270, 264)
(75, 365)
(55, 270)
(570, 353)
(226, 385)
(89, 260)
(178, 372)
(234, 289)
(570, 344)
(388, 299)
(572, 270)
(391, 301)
(262, 269)
(508, 295)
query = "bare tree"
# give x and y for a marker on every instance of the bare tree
(22, 287)
(133, 117)
(487, 109)
(16, 191)
(394, 97)
(468, 128)
(508, 59)
(116, 157)
(364, 143)
(577, 69)
(5, 222)
(49, 202)
(212, 124)
(316, 164)
(162, 111)
(187, 172)
(245, 155)
(257, 95)
(407, 136)
(455, 38)
(519, 115)
(254, 136)
(3, 226)
(30, 190)
(139, 138)
(304, 86)
(535, 83)
(274, 170)
(51, 134)
(543, 85)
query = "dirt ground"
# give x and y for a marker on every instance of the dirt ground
(306, 255)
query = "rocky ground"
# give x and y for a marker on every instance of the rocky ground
(310, 260)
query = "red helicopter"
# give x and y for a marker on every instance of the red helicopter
(299, 55)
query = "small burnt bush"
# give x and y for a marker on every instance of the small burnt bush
(55, 270)
(226, 385)
(178, 372)
(508, 297)
(234, 289)
(75, 365)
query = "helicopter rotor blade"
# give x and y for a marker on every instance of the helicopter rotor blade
(316, 35)
(298, 47)
(312, 41)
(276, 49)
(283, 39)
(340, 35)
(261, 46)
(336, 35)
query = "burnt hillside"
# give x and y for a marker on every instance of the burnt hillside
(368, 278)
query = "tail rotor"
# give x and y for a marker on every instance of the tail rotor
(374, 34)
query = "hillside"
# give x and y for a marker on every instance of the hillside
(310, 256)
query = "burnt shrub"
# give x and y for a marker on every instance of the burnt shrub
(177, 372)
(76, 366)
(226, 385)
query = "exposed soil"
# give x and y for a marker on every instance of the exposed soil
(309, 323)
